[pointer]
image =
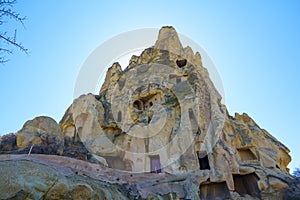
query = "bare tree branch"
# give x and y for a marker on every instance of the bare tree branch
(7, 2)
(9, 40)
(6, 51)
(13, 42)
(13, 15)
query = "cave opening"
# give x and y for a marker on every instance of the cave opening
(246, 184)
(203, 160)
(213, 191)
(181, 62)
(151, 104)
(138, 105)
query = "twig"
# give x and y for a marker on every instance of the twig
(29, 151)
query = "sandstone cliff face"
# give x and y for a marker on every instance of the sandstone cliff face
(156, 130)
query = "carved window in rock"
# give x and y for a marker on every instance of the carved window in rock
(246, 154)
(119, 118)
(181, 62)
(203, 160)
(149, 101)
(155, 166)
(246, 184)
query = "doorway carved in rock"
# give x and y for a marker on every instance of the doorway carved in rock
(155, 166)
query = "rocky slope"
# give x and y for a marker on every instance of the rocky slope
(156, 130)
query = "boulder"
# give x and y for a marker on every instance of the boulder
(43, 134)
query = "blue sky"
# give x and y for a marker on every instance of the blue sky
(255, 46)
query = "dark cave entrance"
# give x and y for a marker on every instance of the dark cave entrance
(203, 160)
(181, 62)
(246, 184)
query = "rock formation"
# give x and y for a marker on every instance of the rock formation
(156, 130)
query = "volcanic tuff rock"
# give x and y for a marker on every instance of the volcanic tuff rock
(156, 130)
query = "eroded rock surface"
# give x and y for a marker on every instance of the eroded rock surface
(41, 135)
(156, 130)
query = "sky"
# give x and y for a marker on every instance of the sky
(254, 45)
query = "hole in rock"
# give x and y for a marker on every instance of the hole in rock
(155, 164)
(203, 160)
(119, 116)
(149, 119)
(181, 62)
(138, 105)
(246, 184)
